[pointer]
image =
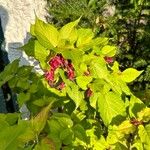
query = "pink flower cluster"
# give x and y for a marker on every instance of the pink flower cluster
(59, 61)
(108, 59)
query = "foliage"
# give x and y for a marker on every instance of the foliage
(125, 22)
(81, 101)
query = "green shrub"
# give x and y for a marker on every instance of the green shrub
(128, 28)
(81, 101)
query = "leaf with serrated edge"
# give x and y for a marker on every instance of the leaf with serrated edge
(46, 34)
(66, 30)
(110, 105)
(39, 121)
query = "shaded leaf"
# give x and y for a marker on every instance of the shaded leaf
(39, 121)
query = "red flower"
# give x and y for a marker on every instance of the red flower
(49, 75)
(56, 61)
(70, 74)
(70, 71)
(108, 59)
(61, 86)
(89, 93)
(135, 122)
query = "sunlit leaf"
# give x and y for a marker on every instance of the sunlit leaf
(130, 74)
(46, 34)
(110, 105)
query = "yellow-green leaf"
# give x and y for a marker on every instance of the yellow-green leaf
(109, 50)
(84, 37)
(66, 30)
(46, 34)
(110, 105)
(130, 74)
(144, 134)
(144, 115)
(41, 54)
(83, 81)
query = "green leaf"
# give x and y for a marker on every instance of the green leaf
(75, 56)
(75, 94)
(83, 81)
(117, 133)
(129, 74)
(45, 100)
(109, 51)
(118, 85)
(120, 146)
(9, 137)
(46, 34)
(126, 127)
(66, 30)
(98, 68)
(29, 47)
(66, 136)
(24, 71)
(110, 105)
(135, 106)
(55, 127)
(100, 41)
(39, 121)
(138, 145)
(100, 144)
(115, 67)
(32, 28)
(10, 118)
(84, 37)
(63, 119)
(144, 115)
(41, 54)
(144, 134)
(9, 72)
(45, 144)
(93, 100)
(57, 124)
(23, 83)
(79, 132)
(23, 97)
(28, 133)
(3, 124)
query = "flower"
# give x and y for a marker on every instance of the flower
(70, 71)
(49, 75)
(108, 59)
(61, 86)
(89, 93)
(57, 61)
(70, 74)
(136, 122)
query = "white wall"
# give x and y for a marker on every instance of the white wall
(16, 17)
